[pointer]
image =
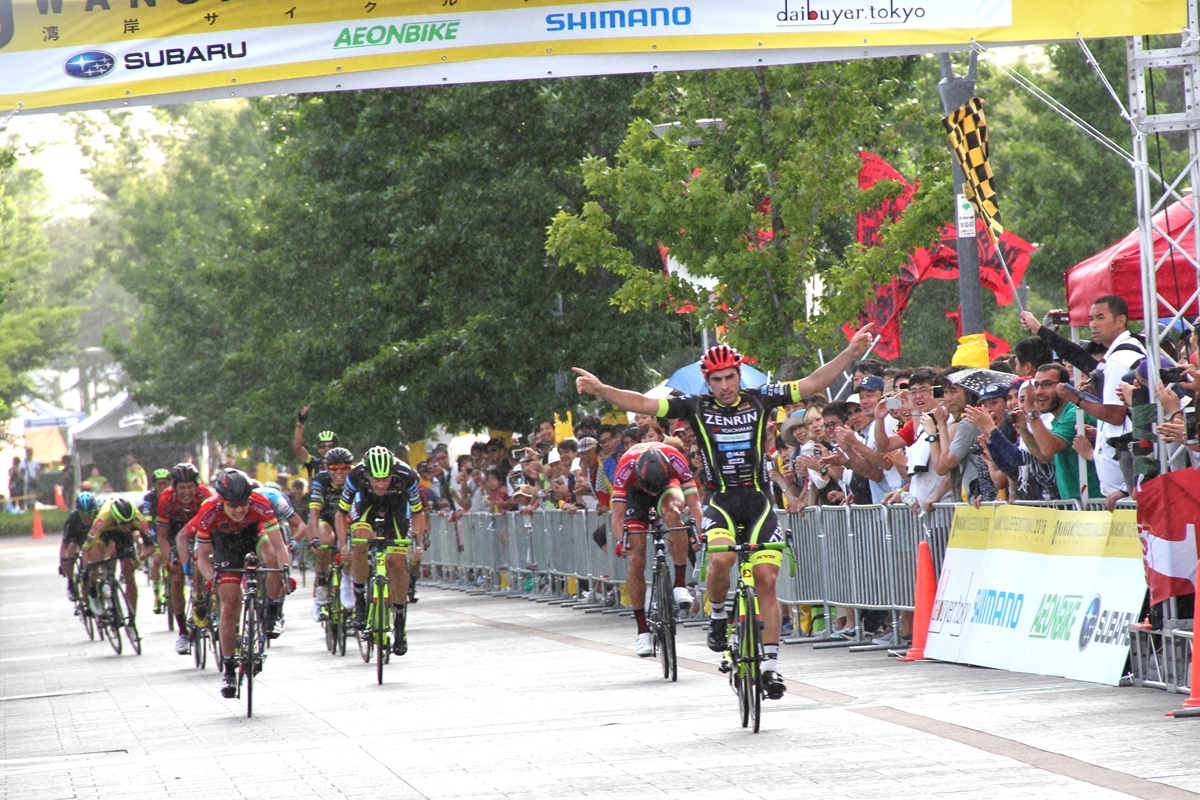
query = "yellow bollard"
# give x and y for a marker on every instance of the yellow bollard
(503, 581)
(572, 585)
(625, 602)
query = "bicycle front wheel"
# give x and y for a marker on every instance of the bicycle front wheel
(250, 649)
(665, 624)
(751, 656)
(114, 615)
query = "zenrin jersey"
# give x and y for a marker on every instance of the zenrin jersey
(732, 438)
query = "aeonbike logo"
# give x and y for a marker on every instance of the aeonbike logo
(831, 12)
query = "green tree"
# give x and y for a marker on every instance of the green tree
(376, 254)
(754, 185)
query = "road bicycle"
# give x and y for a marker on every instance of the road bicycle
(113, 613)
(252, 634)
(744, 654)
(375, 635)
(78, 581)
(201, 627)
(661, 613)
(334, 614)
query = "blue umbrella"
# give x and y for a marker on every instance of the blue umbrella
(690, 380)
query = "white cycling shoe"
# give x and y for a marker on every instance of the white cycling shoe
(644, 646)
(683, 598)
(182, 645)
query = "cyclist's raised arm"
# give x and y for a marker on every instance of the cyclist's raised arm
(587, 383)
(823, 377)
(298, 437)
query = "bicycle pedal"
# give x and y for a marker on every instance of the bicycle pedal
(725, 668)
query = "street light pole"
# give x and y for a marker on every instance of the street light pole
(955, 91)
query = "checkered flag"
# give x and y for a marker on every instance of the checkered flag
(968, 139)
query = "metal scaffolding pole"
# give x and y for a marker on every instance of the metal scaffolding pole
(1155, 194)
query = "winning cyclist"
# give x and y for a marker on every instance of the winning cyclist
(75, 532)
(178, 503)
(323, 506)
(114, 528)
(228, 527)
(148, 507)
(326, 440)
(730, 426)
(382, 490)
(653, 475)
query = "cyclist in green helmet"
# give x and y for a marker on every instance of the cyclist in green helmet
(381, 494)
(118, 528)
(149, 509)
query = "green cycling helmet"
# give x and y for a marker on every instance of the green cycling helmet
(122, 510)
(162, 474)
(327, 437)
(379, 461)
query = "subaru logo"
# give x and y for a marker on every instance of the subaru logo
(89, 64)
(1090, 618)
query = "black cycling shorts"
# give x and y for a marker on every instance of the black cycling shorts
(124, 541)
(390, 524)
(229, 550)
(638, 503)
(749, 516)
(75, 535)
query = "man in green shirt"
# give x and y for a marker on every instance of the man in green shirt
(1054, 443)
(135, 475)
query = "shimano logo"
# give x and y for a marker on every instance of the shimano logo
(89, 64)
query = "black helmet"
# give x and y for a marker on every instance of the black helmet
(338, 456)
(183, 473)
(233, 486)
(653, 471)
(122, 511)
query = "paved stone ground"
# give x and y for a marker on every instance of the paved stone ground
(510, 699)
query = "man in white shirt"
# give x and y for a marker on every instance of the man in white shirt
(1107, 321)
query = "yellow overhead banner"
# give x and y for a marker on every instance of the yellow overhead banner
(60, 54)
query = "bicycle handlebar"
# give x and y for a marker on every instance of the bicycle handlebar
(746, 548)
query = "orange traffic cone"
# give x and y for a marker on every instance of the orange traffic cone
(38, 533)
(1191, 706)
(924, 591)
(60, 502)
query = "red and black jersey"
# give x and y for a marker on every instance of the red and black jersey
(211, 518)
(625, 476)
(171, 510)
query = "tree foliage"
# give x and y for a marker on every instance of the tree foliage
(761, 200)
(377, 255)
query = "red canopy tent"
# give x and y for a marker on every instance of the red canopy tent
(1118, 270)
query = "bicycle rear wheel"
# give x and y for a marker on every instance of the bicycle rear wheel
(127, 622)
(665, 623)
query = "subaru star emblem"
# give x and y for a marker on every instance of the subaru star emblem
(89, 64)
(1090, 618)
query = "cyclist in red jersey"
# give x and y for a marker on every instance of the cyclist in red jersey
(730, 426)
(652, 475)
(177, 504)
(228, 527)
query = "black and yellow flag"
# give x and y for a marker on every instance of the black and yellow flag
(968, 139)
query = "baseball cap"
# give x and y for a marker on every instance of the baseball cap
(994, 390)
(854, 398)
(587, 443)
(554, 457)
(872, 383)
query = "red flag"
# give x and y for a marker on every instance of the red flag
(1168, 508)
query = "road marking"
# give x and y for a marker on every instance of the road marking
(44, 657)
(1027, 754)
(23, 616)
(27, 633)
(45, 694)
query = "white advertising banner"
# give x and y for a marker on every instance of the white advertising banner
(1039, 590)
(57, 54)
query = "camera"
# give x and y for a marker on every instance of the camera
(892, 403)
(1057, 318)
(1171, 375)
(939, 392)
